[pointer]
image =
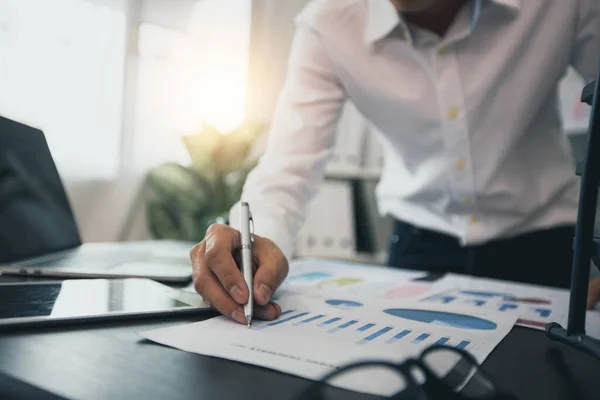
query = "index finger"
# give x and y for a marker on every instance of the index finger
(221, 241)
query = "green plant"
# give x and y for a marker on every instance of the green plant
(182, 201)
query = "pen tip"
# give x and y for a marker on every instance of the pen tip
(248, 321)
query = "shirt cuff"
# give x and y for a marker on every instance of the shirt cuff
(266, 226)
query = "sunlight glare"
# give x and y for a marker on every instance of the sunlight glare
(215, 84)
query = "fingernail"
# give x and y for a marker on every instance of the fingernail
(237, 294)
(264, 294)
(238, 316)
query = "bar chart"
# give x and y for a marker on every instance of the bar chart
(500, 301)
(360, 332)
(421, 338)
(287, 319)
(343, 326)
(308, 320)
(398, 336)
(343, 303)
(330, 321)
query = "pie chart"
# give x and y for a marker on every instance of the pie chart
(343, 303)
(462, 321)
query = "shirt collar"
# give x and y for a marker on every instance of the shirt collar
(383, 18)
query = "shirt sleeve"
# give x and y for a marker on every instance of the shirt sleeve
(586, 52)
(299, 143)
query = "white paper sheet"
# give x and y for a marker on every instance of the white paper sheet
(317, 334)
(189, 288)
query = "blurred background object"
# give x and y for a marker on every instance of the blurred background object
(183, 201)
(140, 98)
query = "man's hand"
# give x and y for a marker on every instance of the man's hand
(593, 294)
(218, 279)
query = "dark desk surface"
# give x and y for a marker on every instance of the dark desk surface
(110, 361)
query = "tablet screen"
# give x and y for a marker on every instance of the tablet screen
(72, 298)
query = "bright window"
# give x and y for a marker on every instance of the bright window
(189, 77)
(61, 69)
(65, 68)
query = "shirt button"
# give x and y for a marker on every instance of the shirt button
(473, 220)
(453, 112)
(442, 50)
(467, 200)
(460, 163)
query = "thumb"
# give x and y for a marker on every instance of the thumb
(593, 294)
(272, 270)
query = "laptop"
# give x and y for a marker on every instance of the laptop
(38, 231)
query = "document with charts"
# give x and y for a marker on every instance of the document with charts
(317, 334)
(535, 306)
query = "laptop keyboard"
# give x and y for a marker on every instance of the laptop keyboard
(106, 256)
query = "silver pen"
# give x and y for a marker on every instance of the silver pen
(247, 238)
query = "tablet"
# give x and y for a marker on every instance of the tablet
(77, 301)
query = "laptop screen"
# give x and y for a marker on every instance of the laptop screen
(35, 213)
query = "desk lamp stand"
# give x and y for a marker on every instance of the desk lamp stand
(585, 246)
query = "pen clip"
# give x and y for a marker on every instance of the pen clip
(251, 227)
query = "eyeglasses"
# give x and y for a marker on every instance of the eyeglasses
(440, 372)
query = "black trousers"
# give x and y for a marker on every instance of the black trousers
(542, 257)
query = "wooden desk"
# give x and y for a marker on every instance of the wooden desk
(110, 361)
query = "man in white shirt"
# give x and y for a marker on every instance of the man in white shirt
(463, 96)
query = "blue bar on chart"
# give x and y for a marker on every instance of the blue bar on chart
(329, 321)
(478, 303)
(311, 319)
(365, 327)
(398, 336)
(445, 299)
(463, 345)
(375, 335)
(441, 341)
(505, 307)
(421, 338)
(286, 312)
(343, 326)
(283, 321)
(544, 312)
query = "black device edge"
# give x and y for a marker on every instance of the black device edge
(30, 326)
(584, 245)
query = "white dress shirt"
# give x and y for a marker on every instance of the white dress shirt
(469, 123)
